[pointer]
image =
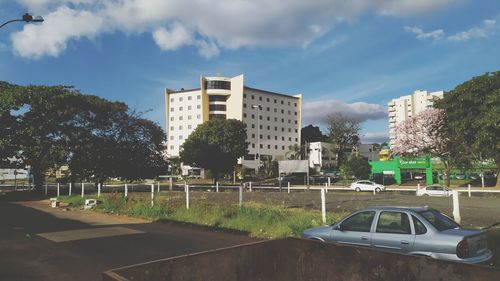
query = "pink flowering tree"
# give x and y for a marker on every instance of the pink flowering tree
(424, 134)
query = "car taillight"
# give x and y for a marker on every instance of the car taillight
(463, 249)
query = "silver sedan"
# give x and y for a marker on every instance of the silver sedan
(420, 231)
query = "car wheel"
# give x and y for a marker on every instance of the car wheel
(377, 189)
(358, 189)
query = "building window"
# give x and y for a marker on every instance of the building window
(295, 113)
(267, 99)
(180, 137)
(171, 109)
(244, 115)
(268, 146)
(224, 85)
(260, 136)
(253, 97)
(261, 146)
(171, 128)
(282, 102)
(295, 104)
(189, 107)
(276, 147)
(260, 127)
(282, 129)
(289, 138)
(289, 121)
(180, 118)
(289, 112)
(180, 127)
(296, 139)
(282, 111)
(253, 145)
(198, 106)
(171, 118)
(260, 98)
(268, 109)
(198, 116)
(275, 128)
(189, 117)
(217, 98)
(189, 98)
(260, 117)
(269, 127)
(296, 130)
(253, 136)
(189, 127)
(180, 99)
(171, 137)
(268, 118)
(289, 130)
(253, 116)
(275, 137)
(275, 110)
(268, 137)
(275, 101)
(295, 122)
(275, 119)
(244, 95)
(217, 107)
(180, 108)
(198, 97)
(244, 105)
(171, 99)
(253, 126)
(171, 147)
(288, 103)
(282, 120)
(283, 147)
(282, 138)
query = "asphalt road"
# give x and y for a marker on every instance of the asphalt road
(26, 256)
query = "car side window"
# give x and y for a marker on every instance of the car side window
(419, 226)
(393, 222)
(359, 222)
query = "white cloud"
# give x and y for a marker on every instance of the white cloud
(421, 35)
(487, 29)
(316, 112)
(209, 25)
(374, 137)
(51, 37)
(172, 39)
(406, 7)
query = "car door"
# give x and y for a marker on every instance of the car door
(363, 185)
(393, 232)
(431, 190)
(355, 230)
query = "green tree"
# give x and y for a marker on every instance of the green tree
(56, 125)
(357, 166)
(473, 117)
(216, 145)
(310, 134)
(343, 132)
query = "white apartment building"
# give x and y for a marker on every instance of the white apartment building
(273, 120)
(405, 107)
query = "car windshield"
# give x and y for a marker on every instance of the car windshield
(438, 220)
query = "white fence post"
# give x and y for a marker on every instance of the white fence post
(170, 182)
(126, 190)
(241, 195)
(58, 188)
(69, 192)
(469, 189)
(152, 194)
(323, 205)
(83, 189)
(45, 188)
(418, 189)
(158, 186)
(288, 187)
(250, 186)
(329, 182)
(186, 188)
(217, 186)
(99, 190)
(456, 207)
(326, 187)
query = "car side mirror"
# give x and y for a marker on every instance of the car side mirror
(338, 227)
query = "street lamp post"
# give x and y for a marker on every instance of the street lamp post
(258, 107)
(26, 18)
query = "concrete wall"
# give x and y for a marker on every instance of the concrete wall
(297, 259)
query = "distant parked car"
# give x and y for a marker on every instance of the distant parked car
(365, 185)
(419, 176)
(460, 176)
(434, 190)
(419, 231)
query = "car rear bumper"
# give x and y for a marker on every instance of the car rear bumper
(484, 258)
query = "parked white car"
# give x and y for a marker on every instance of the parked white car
(365, 185)
(434, 190)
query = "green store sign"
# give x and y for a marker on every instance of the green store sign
(413, 163)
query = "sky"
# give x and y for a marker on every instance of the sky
(342, 56)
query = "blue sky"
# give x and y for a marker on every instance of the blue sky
(348, 56)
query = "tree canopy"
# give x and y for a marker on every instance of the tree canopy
(343, 132)
(310, 134)
(51, 126)
(215, 145)
(357, 166)
(473, 116)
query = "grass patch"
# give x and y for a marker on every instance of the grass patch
(263, 221)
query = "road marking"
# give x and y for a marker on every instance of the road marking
(88, 233)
